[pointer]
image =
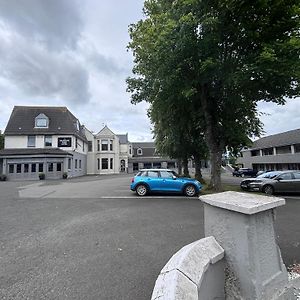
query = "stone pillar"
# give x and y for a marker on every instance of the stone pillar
(243, 225)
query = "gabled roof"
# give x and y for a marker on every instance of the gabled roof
(61, 121)
(281, 139)
(105, 131)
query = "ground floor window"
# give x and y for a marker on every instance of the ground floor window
(79, 163)
(50, 167)
(98, 163)
(11, 168)
(156, 165)
(41, 168)
(147, 165)
(19, 168)
(58, 167)
(69, 164)
(33, 168)
(135, 166)
(111, 163)
(171, 165)
(104, 163)
(26, 168)
(75, 163)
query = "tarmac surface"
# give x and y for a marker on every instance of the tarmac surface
(92, 238)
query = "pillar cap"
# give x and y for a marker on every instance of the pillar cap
(244, 203)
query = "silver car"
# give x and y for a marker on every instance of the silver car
(285, 182)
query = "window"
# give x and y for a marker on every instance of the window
(33, 168)
(41, 168)
(31, 141)
(79, 163)
(98, 163)
(58, 167)
(50, 167)
(285, 176)
(111, 163)
(19, 168)
(11, 168)
(255, 153)
(104, 163)
(297, 175)
(157, 165)
(90, 146)
(147, 165)
(111, 145)
(41, 121)
(75, 163)
(139, 151)
(98, 145)
(130, 150)
(283, 150)
(297, 148)
(104, 145)
(83, 143)
(267, 151)
(26, 168)
(76, 143)
(48, 140)
(69, 164)
(152, 174)
(166, 174)
(135, 166)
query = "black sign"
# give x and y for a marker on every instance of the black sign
(64, 142)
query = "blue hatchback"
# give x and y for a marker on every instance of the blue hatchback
(163, 180)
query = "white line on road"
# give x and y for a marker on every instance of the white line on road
(137, 197)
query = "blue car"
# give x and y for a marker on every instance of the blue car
(163, 180)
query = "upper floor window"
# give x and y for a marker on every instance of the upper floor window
(255, 153)
(111, 145)
(41, 121)
(139, 151)
(48, 140)
(283, 150)
(90, 146)
(297, 148)
(104, 145)
(31, 141)
(267, 151)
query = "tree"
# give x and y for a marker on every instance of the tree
(220, 57)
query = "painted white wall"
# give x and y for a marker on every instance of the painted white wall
(15, 141)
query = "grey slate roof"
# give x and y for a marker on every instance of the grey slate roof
(281, 139)
(33, 151)
(148, 149)
(61, 121)
(143, 145)
(123, 138)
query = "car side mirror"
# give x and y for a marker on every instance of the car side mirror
(174, 177)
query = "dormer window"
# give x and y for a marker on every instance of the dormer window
(139, 151)
(41, 121)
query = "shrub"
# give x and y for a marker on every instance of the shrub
(41, 176)
(3, 177)
(65, 175)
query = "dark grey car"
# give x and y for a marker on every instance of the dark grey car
(285, 182)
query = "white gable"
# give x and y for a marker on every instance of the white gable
(105, 131)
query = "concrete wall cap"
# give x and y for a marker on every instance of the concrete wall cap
(244, 203)
(194, 259)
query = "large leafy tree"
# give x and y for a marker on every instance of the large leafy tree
(220, 57)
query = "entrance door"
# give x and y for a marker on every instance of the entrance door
(122, 163)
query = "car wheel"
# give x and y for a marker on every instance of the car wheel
(141, 190)
(269, 190)
(190, 190)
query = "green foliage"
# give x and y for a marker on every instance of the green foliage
(206, 64)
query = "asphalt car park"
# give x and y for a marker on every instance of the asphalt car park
(93, 238)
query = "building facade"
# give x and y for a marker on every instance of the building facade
(43, 140)
(51, 141)
(275, 152)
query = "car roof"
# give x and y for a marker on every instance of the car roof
(156, 170)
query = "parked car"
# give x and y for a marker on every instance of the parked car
(163, 180)
(245, 184)
(285, 182)
(242, 172)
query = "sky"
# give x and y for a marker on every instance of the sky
(73, 53)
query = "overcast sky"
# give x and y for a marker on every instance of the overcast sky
(73, 53)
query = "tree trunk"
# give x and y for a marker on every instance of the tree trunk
(179, 165)
(198, 173)
(214, 140)
(185, 168)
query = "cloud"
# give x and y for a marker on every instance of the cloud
(40, 73)
(57, 24)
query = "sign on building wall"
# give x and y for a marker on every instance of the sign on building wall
(64, 142)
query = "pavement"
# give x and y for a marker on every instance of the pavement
(92, 238)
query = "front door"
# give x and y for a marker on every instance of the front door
(122, 163)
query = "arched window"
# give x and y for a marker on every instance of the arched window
(139, 151)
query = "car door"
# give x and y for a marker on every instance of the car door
(153, 180)
(284, 182)
(170, 182)
(296, 183)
